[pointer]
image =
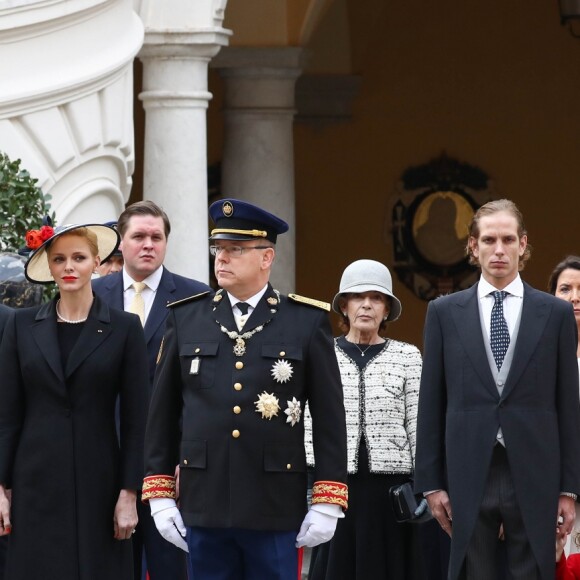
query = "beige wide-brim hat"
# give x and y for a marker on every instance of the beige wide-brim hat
(368, 276)
(36, 268)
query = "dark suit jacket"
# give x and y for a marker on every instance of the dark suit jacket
(59, 450)
(171, 288)
(237, 468)
(460, 412)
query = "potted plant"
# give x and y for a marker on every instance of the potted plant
(23, 206)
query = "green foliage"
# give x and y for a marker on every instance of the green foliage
(22, 208)
(22, 204)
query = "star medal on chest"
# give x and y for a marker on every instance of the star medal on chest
(282, 371)
(293, 411)
(267, 404)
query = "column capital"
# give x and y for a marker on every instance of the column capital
(254, 62)
(196, 44)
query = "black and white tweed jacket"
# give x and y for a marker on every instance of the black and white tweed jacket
(381, 405)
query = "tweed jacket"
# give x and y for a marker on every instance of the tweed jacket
(381, 403)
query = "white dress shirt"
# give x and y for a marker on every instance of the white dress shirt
(151, 284)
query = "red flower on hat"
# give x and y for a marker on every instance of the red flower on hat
(46, 232)
(34, 239)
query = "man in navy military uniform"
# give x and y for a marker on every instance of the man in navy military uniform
(234, 373)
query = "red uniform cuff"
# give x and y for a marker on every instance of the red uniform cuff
(331, 492)
(158, 486)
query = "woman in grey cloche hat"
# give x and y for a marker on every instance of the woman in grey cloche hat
(380, 378)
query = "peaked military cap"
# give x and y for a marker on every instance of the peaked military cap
(240, 220)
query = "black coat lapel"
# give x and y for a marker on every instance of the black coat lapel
(46, 337)
(264, 311)
(158, 313)
(96, 329)
(465, 312)
(535, 314)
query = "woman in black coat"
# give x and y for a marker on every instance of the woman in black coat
(73, 479)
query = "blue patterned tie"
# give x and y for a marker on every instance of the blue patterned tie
(499, 334)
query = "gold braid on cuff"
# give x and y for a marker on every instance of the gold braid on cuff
(158, 486)
(330, 492)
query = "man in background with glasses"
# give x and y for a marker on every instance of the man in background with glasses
(234, 373)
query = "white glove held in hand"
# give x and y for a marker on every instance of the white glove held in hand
(318, 526)
(168, 521)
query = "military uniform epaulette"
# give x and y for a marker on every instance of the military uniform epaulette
(310, 301)
(188, 299)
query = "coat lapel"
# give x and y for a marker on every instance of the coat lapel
(223, 310)
(535, 314)
(465, 313)
(264, 311)
(46, 338)
(114, 288)
(96, 329)
(158, 314)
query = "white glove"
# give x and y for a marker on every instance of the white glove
(168, 521)
(318, 525)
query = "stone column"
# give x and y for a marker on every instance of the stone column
(175, 98)
(258, 159)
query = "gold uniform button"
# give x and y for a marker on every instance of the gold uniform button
(282, 353)
(235, 433)
(185, 462)
(289, 466)
(197, 350)
(238, 386)
(239, 365)
(237, 410)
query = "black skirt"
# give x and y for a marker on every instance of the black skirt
(369, 544)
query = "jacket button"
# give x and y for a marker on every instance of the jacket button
(289, 466)
(239, 365)
(237, 410)
(197, 350)
(235, 433)
(185, 462)
(238, 386)
(282, 353)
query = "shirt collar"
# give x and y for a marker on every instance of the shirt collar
(252, 301)
(152, 281)
(514, 288)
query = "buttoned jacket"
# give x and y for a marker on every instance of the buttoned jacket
(243, 463)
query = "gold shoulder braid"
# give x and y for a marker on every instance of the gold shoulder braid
(310, 301)
(188, 299)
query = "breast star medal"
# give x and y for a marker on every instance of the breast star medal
(267, 404)
(293, 411)
(282, 371)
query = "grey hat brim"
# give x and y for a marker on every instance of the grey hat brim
(396, 306)
(36, 268)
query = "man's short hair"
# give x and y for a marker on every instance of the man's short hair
(488, 209)
(145, 207)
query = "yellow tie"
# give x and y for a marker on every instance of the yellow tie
(138, 304)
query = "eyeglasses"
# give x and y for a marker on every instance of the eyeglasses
(234, 251)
